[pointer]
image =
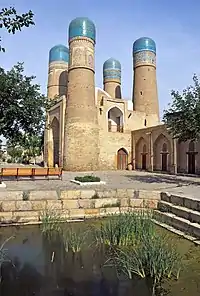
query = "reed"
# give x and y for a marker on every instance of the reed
(51, 223)
(153, 256)
(74, 240)
(124, 229)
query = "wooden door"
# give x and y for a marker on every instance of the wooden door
(144, 161)
(164, 162)
(191, 163)
(122, 159)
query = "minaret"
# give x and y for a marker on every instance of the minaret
(58, 71)
(81, 149)
(145, 96)
(112, 78)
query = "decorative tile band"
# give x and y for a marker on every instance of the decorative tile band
(112, 74)
(144, 58)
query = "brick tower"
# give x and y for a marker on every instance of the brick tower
(145, 96)
(112, 78)
(58, 71)
(81, 148)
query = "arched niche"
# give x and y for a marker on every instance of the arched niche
(55, 126)
(115, 119)
(141, 154)
(162, 153)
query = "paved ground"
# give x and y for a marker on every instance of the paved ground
(189, 186)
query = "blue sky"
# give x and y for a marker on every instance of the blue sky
(174, 25)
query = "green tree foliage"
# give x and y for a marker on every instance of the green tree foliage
(22, 106)
(11, 21)
(183, 116)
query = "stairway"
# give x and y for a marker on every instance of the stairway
(179, 214)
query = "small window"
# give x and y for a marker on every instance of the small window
(141, 93)
(145, 122)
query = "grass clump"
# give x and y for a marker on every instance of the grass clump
(153, 257)
(74, 240)
(51, 222)
(87, 178)
(124, 229)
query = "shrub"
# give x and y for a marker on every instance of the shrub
(88, 179)
(9, 160)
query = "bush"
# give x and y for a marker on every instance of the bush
(9, 160)
(88, 179)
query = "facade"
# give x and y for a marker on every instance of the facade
(90, 128)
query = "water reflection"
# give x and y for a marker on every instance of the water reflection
(42, 267)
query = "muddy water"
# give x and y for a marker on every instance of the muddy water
(40, 267)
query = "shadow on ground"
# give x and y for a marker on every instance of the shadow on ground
(162, 179)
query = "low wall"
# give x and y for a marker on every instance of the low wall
(27, 207)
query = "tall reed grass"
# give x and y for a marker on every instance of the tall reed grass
(147, 254)
(74, 240)
(124, 229)
(51, 223)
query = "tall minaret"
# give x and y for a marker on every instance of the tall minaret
(58, 71)
(145, 96)
(112, 78)
(81, 149)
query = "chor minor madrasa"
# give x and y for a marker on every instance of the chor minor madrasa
(90, 128)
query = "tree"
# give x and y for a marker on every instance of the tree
(22, 106)
(183, 117)
(12, 21)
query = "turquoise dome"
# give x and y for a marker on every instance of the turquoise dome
(112, 64)
(59, 53)
(82, 27)
(112, 69)
(144, 43)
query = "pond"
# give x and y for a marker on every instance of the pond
(42, 266)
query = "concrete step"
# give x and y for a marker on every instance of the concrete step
(183, 212)
(179, 223)
(183, 201)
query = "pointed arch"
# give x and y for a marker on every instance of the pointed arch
(122, 159)
(55, 125)
(162, 153)
(141, 154)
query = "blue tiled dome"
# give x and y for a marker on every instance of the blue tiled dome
(112, 64)
(112, 69)
(82, 27)
(59, 53)
(144, 43)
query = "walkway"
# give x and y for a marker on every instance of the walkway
(189, 186)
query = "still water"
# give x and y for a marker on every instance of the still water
(42, 268)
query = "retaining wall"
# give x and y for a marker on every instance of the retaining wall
(28, 207)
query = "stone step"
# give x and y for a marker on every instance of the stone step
(183, 201)
(183, 212)
(178, 223)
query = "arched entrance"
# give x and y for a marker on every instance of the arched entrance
(191, 158)
(122, 159)
(55, 130)
(162, 154)
(141, 154)
(144, 157)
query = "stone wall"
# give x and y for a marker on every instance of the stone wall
(28, 207)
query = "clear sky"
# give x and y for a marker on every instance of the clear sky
(174, 25)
